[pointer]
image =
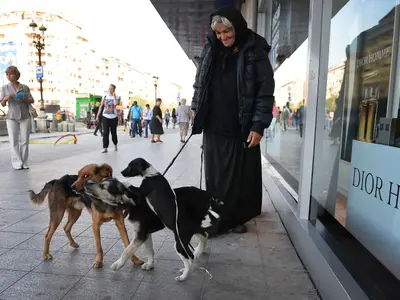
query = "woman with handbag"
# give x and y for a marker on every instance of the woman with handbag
(19, 99)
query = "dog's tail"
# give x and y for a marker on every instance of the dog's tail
(39, 198)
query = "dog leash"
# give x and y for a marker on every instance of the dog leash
(176, 156)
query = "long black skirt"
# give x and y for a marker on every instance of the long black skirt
(233, 174)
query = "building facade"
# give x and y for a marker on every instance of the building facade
(335, 188)
(71, 65)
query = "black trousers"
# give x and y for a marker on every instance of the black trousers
(99, 126)
(109, 125)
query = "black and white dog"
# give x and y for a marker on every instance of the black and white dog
(145, 221)
(187, 211)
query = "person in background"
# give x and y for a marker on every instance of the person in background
(300, 116)
(275, 114)
(173, 116)
(126, 115)
(167, 116)
(233, 116)
(95, 111)
(183, 114)
(136, 115)
(18, 98)
(110, 118)
(147, 115)
(156, 123)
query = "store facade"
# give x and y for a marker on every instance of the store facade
(330, 160)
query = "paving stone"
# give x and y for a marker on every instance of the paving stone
(271, 226)
(102, 288)
(12, 239)
(9, 277)
(285, 258)
(232, 254)
(235, 282)
(274, 240)
(27, 227)
(36, 242)
(40, 286)
(182, 291)
(21, 260)
(87, 245)
(67, 264)
(239, 240)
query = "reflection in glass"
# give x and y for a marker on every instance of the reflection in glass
(351, 121)
(282, 142)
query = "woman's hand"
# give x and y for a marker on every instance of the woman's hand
(254, 139)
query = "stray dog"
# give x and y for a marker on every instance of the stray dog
(186, 211)
(65, 194)
(193, 201)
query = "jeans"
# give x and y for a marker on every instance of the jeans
(146, 128)
(136, 127)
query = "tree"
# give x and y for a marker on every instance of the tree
(330, 104)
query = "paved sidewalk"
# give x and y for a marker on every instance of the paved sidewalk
(258, 265)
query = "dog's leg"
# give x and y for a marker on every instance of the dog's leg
(119, 222)
(128, 252)
(97, 221)
(56, 216)
(148, 245)
(187, 261)
(202, 244)
(73, 216)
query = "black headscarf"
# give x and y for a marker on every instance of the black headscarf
(238, 22)
(240, 28)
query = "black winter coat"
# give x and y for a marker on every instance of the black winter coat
(255, 85)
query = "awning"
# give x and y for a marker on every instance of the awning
(189, 20)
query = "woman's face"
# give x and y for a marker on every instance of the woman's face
(111, 89)
(11, 76)
(158, 103)
(225, 34)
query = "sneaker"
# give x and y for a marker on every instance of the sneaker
(104, 150)
(116, 148)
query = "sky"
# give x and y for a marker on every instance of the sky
(133, 31)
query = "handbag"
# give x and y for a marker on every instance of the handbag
(33, 111)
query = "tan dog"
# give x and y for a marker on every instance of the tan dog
(64, 195)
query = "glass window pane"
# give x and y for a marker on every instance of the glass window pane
(283, 140)
(354, 179)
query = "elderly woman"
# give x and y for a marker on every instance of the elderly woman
(233, 103)
(18, 98)
(184, 115)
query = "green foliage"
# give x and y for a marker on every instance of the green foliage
(330, 104)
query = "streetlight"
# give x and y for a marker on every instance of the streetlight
(155, 78)
(38, 42)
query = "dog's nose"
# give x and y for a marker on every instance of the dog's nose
(73, 186)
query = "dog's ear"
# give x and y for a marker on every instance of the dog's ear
(106, 170)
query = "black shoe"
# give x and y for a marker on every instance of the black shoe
(95, 134)
(240, 229)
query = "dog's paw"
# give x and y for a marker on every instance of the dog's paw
(47, 256)
(117, 265)
(148, 266)
(137, 261)
(74, 245)
(180, 278)
(97, 264)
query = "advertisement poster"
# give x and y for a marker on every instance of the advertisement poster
(373, 206)
(367, 77)
(8, 57)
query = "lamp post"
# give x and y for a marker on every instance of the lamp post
(155, 78)
(38, 42)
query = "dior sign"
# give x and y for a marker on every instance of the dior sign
(373, 208)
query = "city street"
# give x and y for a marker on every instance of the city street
(258, 265)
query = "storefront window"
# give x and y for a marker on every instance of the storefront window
(355, 176)
(283, 140)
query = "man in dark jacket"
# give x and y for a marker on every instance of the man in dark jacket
(233, 102)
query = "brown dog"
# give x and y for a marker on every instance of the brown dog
(64, 194)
